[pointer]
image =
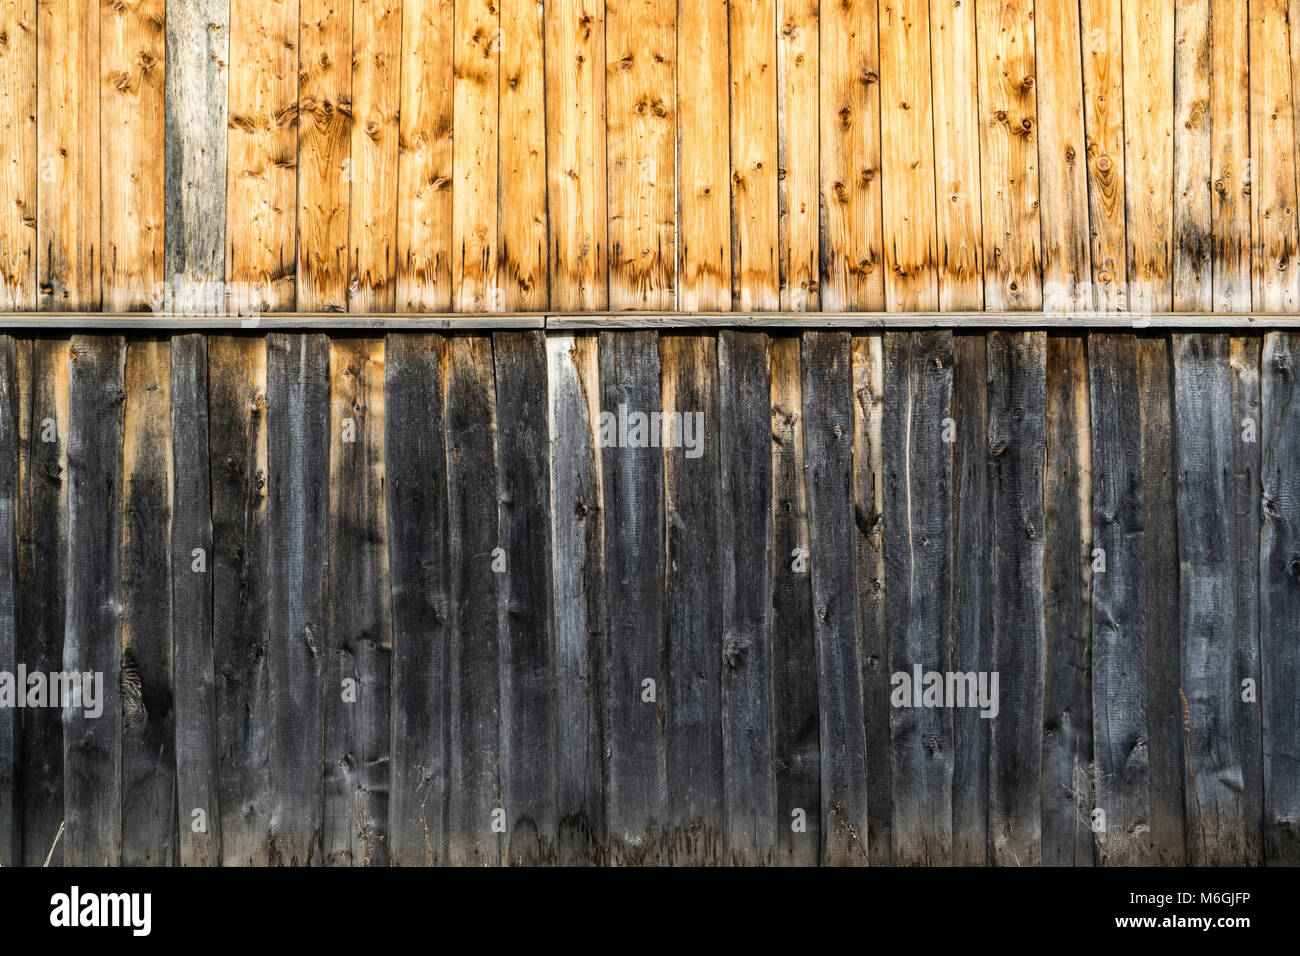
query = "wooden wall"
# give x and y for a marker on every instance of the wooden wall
(233, 528)
(400, 156)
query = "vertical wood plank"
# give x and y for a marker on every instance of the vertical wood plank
(359, 638)
(917, 472)
(850, 217)
(42, 583)
(798, 68)
(192, 589)
(749, 784)
(522, 267)
(1192, 164)
(19, 162)
(415, 488)
(756, 279)
(10, 637)
(1271, 176)
(262, 151)
(474, 777)
(641, 115)
(1119, 655)
(424, 161)
(132, 108)
(376, 99)
(197, 51)
(700, 650)
(298, 419)
(577, 528)
(1149, 151)
(474, 237)
(795, 699)
(1230, 147)
(1063, 172)
(828, 443)
(528, 672)
(149, 730)
(1102, 28)
(907, 157)
(325, 171)
(1067, 788)
(70, 256)
(1279, 597)
(238, 472)
(575, 154)
(1009, 155)
(704, 197)
(1017, 370)
(633, 487)
(92, 753)
(960, 241)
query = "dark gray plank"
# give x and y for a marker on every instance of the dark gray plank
(92, 753)
(1279, 597)
(797, 744)
(195, 129)
(971, 635)
(298, 414)
(1203, 442)
(1119, 681)
(476, 818)
(527, 642)
(197, 783)
(633, 480)
(238, 470)
(695, 641)
(750, 816)
(1166, 744)
(359, 641)
(1017, 369)
(42, 586)
(917, 473)
(1066, 790)
(578, 516)
(10, 647)
(828, 447)
(149, 731)
(416, 491)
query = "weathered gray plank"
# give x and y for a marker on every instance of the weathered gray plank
(917, 472)
(195, 206)
(10, 640)
(149, 731)
(1120, 772)
(197, 781)
(42, 584)
(238, 472)
(416, 491)
(476, 818)
(744, 428)
(1066, 789)
(577, 518)
(527, 644)
(1279, 598)
(828, 447)
(633, 483)
(1203, 442)
(298, 414)
(1017, 370)
(92, 753)
(359, 639)
(970, 633)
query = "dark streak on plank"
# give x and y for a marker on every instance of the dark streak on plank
(92, 756)
(10, 649)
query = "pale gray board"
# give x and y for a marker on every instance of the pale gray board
(796, 321)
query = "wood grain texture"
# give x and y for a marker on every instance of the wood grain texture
(1102, 31)
(474, 236)
(1192, 263)
(522, 224)
(798, 68)
(92, 738)
(641, 116)
(852, 254)
(1230, 145)
(756, 278)
(19, 160)
(1271, 175)
(424, 161)
(11, 848)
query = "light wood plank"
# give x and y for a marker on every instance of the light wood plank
(19, 162)
(755, 279)
(522, 270)
(1103, 111)
(474, 238)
